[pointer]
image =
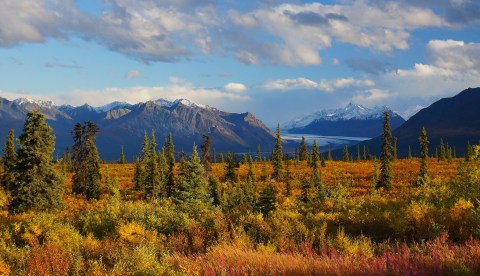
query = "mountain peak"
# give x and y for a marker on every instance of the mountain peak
(351, 111)
(26, 101)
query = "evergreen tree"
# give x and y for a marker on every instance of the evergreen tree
(193, 186)
(214, 190)
(85, 161)
(358, 153)
(469, 152)
(366, 156)
(249, 188)
(152, 179)
(93, 175)
(259, 154)
(221, 159)
(277, 156)
(288, 188)
(169, 152)
(214, 156)
(329, 155)
(9, 161)
(409, 152)
(423, 176)
(303, 152)
(394, 148)
(267, 200)
(314, 155)
(441, 151)
(138, 174)
(385, 180)
(37, 186)
(121, 159)
(346, 155)
(230, 165)
(317, 182)
(67, 159)
(205, 148)
(322, 160)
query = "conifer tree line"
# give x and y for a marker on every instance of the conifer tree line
(34, 184)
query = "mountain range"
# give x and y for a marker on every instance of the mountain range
(353, 120)
(456, 120)
(123, 124)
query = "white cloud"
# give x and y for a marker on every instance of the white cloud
(451, 54)
(372, 96)
(133, 74)
(235, 87)
(324, 85)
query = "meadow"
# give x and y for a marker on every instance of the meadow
(355, 230)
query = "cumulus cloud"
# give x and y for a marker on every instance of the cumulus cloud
(235, 87)
(372, 96)
(324, 85)
(169, 31)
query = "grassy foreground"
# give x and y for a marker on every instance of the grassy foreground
(356, 230)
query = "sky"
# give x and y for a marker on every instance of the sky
(279, 60)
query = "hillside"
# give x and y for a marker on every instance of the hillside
(124, 124)
(353, 120)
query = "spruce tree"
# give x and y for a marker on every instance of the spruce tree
(221, 159)
(152, 179)
(423, 176)
(93, 175)
(385, 180)
(67, 159)
(346, 155)
(259, 154)
(230, 165)
(303, 152)
(267, 200)
(317, 182)
(288, 188)
(314, 155)
(277, 156)
(469, 152)
(193, 186)
(358, 153)
(409, 152)
(9, 161)
(138, 174)
(441, 151)
(169, 152)
(205, 148)
(121, 159)
(249, 188)
(85, 161)
(329, 155)
(37, 186)
(394, 148)
(366, 156)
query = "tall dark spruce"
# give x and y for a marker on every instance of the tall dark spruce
(385, 179)
(423, 176)
(9, 161)
(37, 187)
(86, 161)
(277, 156)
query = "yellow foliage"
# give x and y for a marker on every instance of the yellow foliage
(460, 208)
(4, 268)
(359, 246)
(132, 233)
(417, 212)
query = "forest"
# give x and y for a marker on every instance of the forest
(299, 213)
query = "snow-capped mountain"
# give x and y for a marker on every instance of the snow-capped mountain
(351, 120)
(123, 124)
(27, 101)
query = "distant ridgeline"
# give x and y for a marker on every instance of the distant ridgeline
(123, 124)
(454, 120)
(353, 121)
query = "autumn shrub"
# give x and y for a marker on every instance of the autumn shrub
(48, 259)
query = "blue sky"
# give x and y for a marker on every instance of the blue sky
(276, 59)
